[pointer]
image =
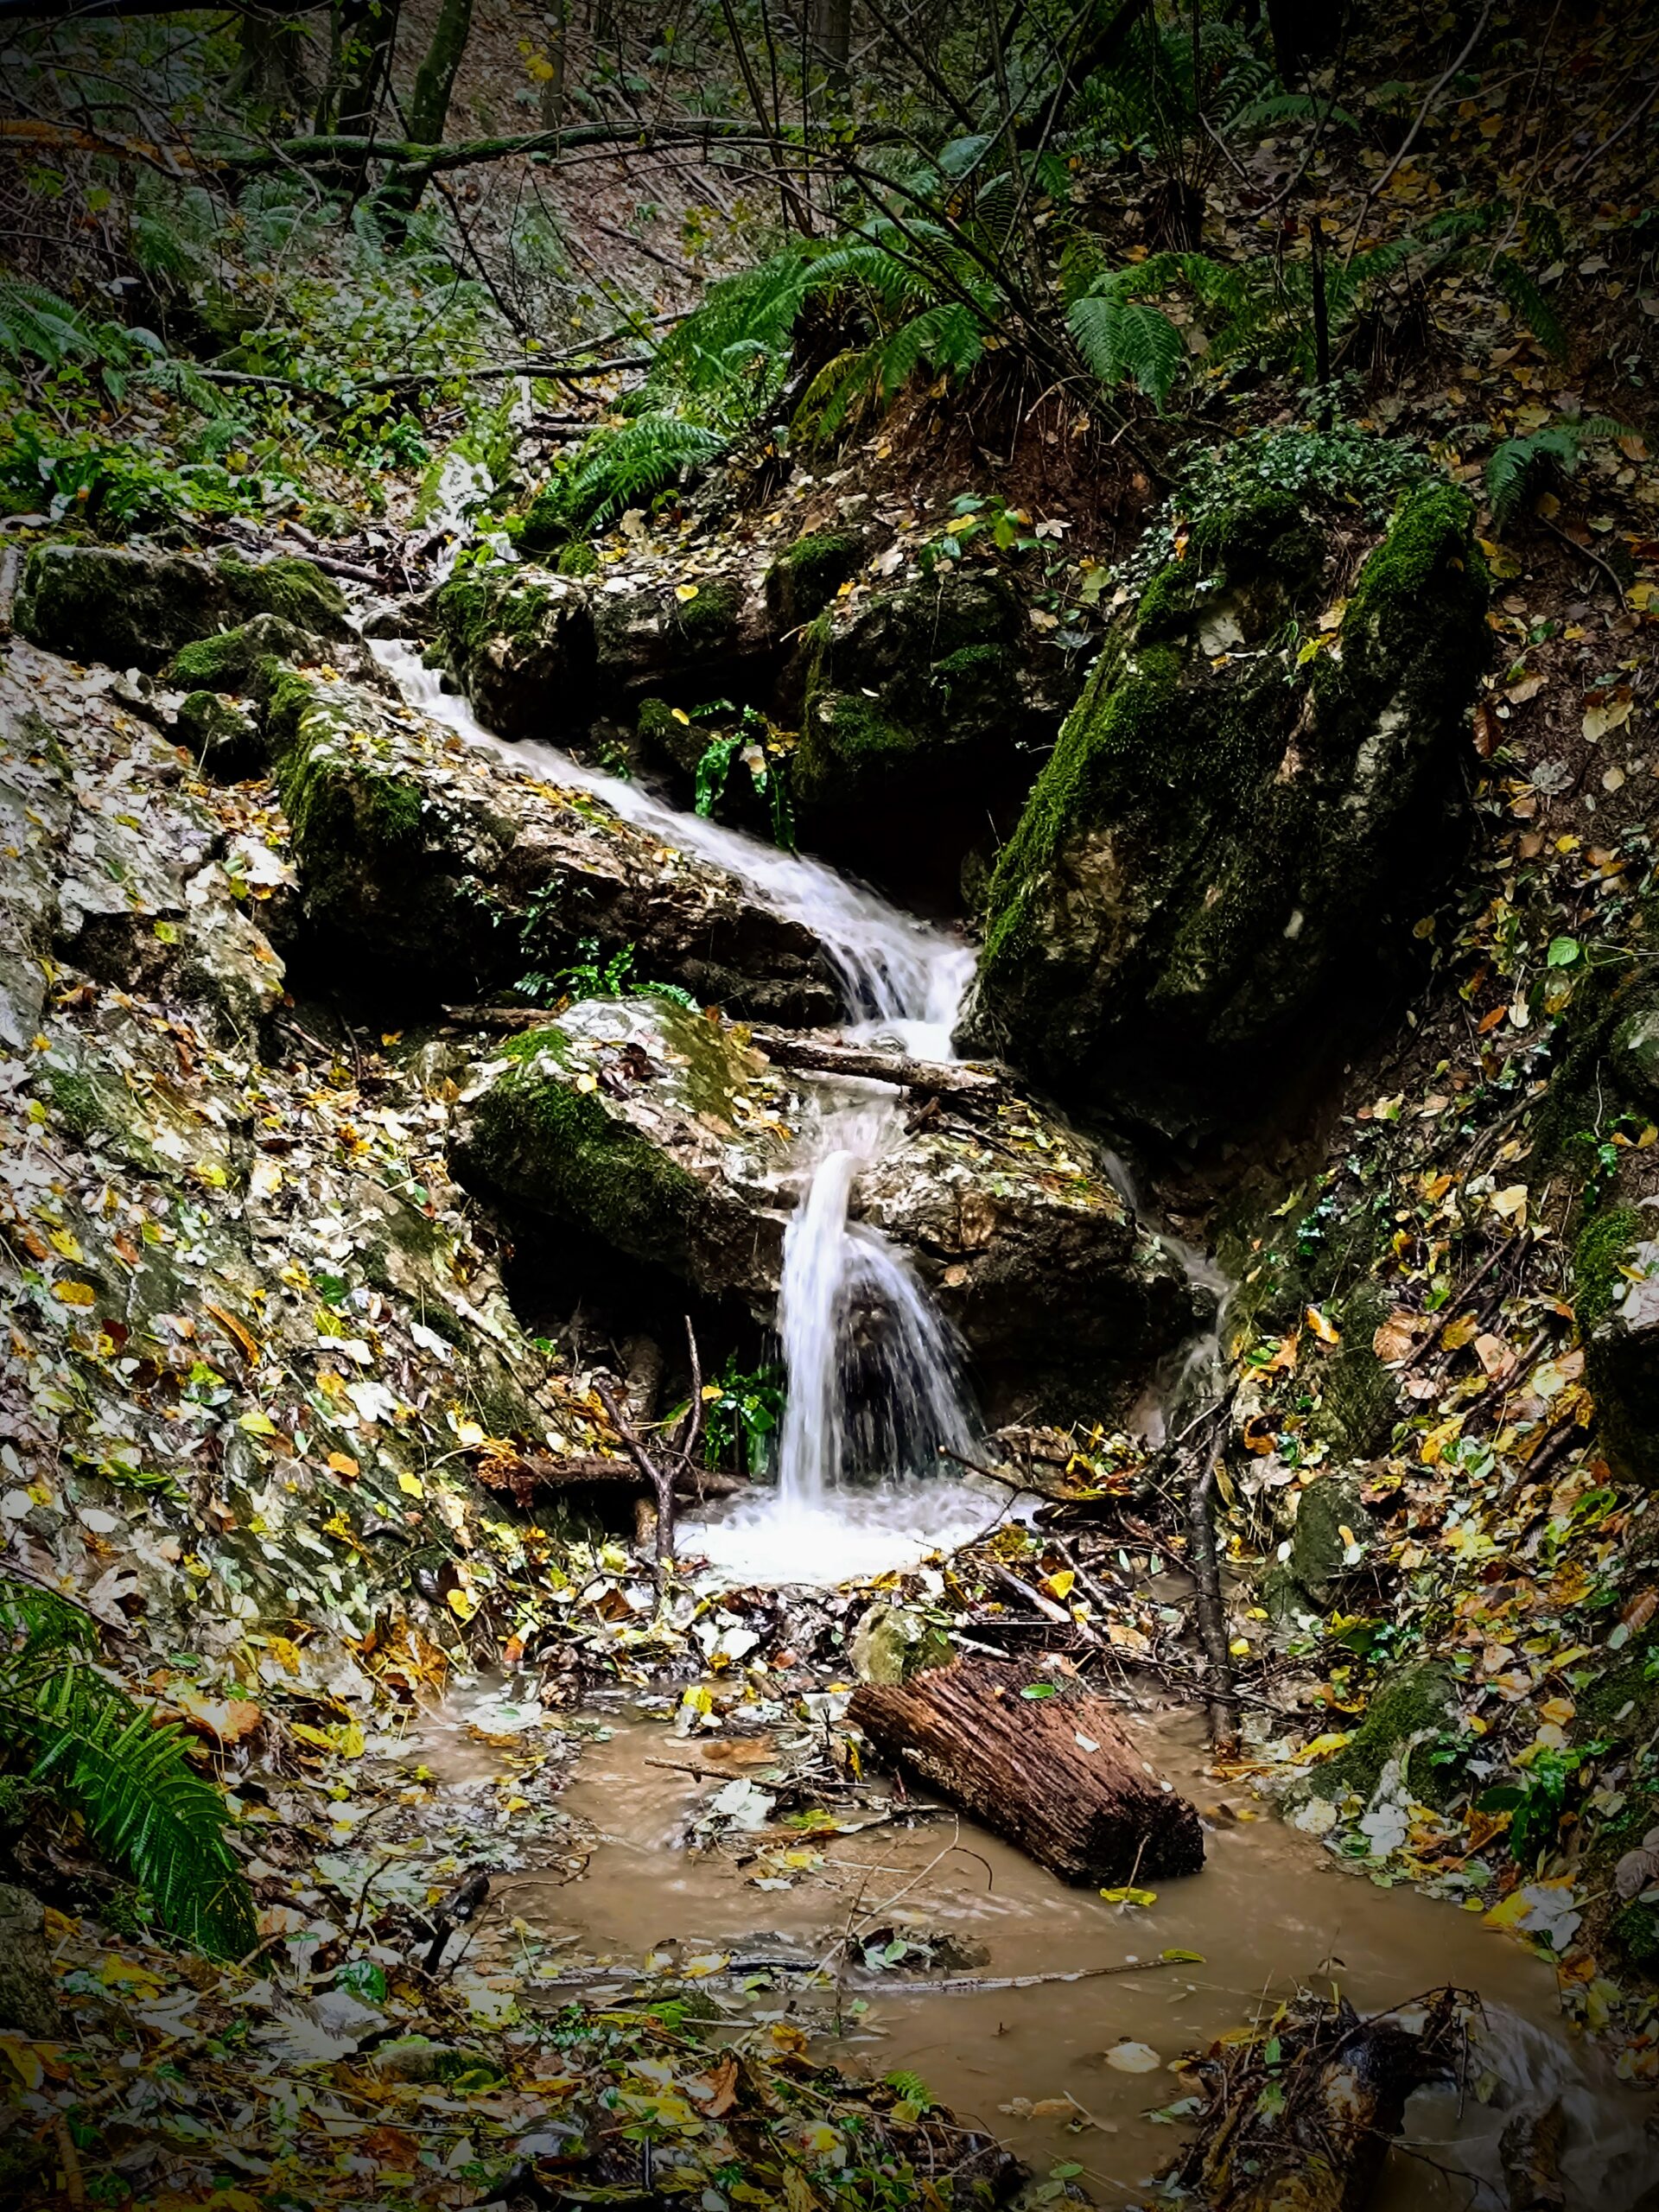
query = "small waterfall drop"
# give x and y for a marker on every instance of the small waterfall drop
(875, 1385)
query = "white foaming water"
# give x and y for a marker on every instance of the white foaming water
(875, 1387)
(899, 976)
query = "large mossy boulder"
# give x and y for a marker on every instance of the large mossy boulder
(923, 713)
(1217, 873)
(136, 609)
(672, 1140)
(436, 870)
(541, 656)
(1616, 1300)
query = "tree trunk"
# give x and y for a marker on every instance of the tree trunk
(369, 28)
(830, 31)
(557, 19)
(271, 67)
(1054, 1775)
(435, 80)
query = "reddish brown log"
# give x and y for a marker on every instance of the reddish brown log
(1055, 1776)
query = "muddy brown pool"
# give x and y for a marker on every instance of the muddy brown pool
(1270, 1913)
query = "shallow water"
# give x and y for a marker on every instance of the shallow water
(1269, 1912)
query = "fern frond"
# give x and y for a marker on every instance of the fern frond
(619, 468)
(1529, 303)
(1126, 339)
(837, 391)
(132, 1782)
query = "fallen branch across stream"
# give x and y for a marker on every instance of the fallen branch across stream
(960, 1984)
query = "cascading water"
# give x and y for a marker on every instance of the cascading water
(875, 1385)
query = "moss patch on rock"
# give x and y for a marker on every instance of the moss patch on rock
(1231, 839)
(1415, 1702)
(1616, 1300)
(806, 576)
(136, 609)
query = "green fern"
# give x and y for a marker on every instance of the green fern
(94, 1748)
(618, 468)
(1519, 466)
(1529, 303)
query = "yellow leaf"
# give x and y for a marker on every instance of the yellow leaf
(257, 1423)
(462, 1603)
(684, 592)
(680, 715)
(412, 1486)
(64, 1242)
(1323, 1746)
(74, 1293)
(343, 1463)
(1060, 1584)
(24, 2062)
(1326, 1331)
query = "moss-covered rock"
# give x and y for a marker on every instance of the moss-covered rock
(1414, 1705)
(1243, 817)
(223, 740)
(444, 871)
(1034, 1259)
(541, 655)
(578, 560)
(245, 660)
(806, 576)
(520, 643)
(922, 716)
(1616, 1299)
(1636, 1054)
(1329, 1513)
(546, 523)
(136, 609)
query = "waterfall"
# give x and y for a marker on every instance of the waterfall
(874, 1377)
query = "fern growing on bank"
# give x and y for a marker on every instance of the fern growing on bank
(100, 1754)
(1518, 468)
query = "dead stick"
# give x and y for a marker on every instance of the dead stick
(1224, 1714)
(1050, 1608)
(661, 1482)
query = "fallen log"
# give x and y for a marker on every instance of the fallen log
(1053, 1773)
(820, 1056)
(532, 1471)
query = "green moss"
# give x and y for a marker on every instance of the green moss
(579, 560)
(242, 659)
(296, 591)
(1636, 1931)
(537, 1138)
(708, 621)
(545, 526)
(1597, 1261)
(805, 577)
(1416, 1701)
(1202, 867)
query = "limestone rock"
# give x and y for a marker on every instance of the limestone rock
(670, 1139)
(923, 714)
(136, 609)
(28, 1988)
(115, 874)
(893, 1643)
(223, 739)
(1223, 858)
(540, 655)
(1616, 1296)
(1307, 1582)
(446, 870)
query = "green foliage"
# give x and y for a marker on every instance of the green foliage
(1537, 1801)
(92, 1747)
(768, 769)
(595, 974)
(1517, 470)
(620, 468)
(740, 1422)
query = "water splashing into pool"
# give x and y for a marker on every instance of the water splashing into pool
(876, 1387)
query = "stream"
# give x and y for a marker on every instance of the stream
(858, 1492)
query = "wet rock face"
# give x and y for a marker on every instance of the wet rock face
(541, 656)
(923, 714)
(1616, 1298)
(1221, 865)
(136, 609)
(671, 1138)
(28, 1988)
(120, 873)
(443, 871)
